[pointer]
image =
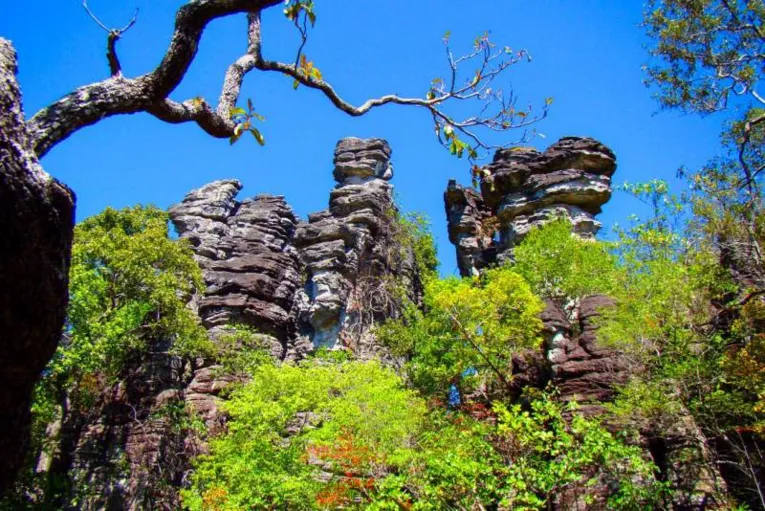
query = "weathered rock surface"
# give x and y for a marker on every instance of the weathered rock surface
(571, 178)
(583, 370)
(127, 451)
(250, 267)
(36, 222)
(308, 284)
(349, 250)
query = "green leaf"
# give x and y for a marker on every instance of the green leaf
(237, 111)
(258, 136)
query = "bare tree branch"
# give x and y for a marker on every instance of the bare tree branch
(114, 35)
(119, 95)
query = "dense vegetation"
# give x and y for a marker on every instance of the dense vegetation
(451, 427)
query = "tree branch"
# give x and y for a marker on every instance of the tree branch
(150, 92)
(119, 95)
(114, 35)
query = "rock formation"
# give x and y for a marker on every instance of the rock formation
(250, 268)
(524, 188)
(308, 284)
(300, 285)
(36, 221)
(350, 251)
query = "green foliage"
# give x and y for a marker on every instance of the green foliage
(470, 331)
(129, 282)
(240, 350)
(413, 232)
(328, 435)
(563, 267)
(244, 120)
(293, 423)
(552, 455)
(707, 51)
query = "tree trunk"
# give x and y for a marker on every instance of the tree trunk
(36, 223)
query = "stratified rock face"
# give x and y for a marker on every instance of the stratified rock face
(128, 451)
(583, 369)
(307, 284)
(349, 250)
(572, 178)
(250, 267)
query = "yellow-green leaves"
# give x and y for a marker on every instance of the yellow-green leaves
(307, 70)
(457, 147)
(128, 283)
(469, 332)
(244, 120)
(563, 267)
(294, 8)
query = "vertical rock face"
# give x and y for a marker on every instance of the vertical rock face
(582, 369)
(572, 178)
(307, 284)
(36, 222)
(349, 249)
(250, 267)
(128, 451)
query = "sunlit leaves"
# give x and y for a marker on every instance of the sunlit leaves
(471, 329)
(564, 267)
(244, 120)
(129, 283)
(294, 8)
(307, 70)
(307, 436)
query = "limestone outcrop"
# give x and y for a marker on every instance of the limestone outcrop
(523, 188)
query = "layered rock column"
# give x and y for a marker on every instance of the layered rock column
(349, 249)
(250, 268)
(526, 188)
(307, 284)
(571, 178)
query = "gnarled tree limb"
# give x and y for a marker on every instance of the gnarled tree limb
(119, 95)
(151, 92)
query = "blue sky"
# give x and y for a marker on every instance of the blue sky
(587, 55)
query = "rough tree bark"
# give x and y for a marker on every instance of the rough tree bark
(36, 221)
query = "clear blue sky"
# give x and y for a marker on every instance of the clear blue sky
(587, 55)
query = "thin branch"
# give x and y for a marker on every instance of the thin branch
(151, 91)
(114, 35)
(95, 18)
